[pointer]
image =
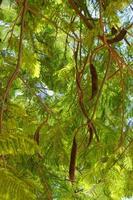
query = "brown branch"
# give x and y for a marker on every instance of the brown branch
(15, 73)
(117, 58)
(79, 75)
(83, 18)
(78, 82)
(93, 53)
(80, 95)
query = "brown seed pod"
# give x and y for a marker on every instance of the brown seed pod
(120, 36)
(90, 135)
(114, 31)
(94, 80)
(73, 161)
(37, 132)
(37, 135)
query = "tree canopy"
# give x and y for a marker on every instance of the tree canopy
(66, 104)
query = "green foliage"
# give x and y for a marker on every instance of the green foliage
(16, 186)
(12, 144)
(46, 87)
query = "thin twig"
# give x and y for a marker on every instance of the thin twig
(93, 53)
(79, 75)
(113, 74)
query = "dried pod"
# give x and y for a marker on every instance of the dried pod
(90, 135)
(37, 135)
(37, 132)
(94, 80)
(120, 36)
(73, 161)
(114, 30)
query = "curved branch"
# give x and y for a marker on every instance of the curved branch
(15, 73)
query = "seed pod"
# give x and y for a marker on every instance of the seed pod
(94, 80)
(73, 161)
(37, 135)
(90, 135)
(114, 30)
(120, 36)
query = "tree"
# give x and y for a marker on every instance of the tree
(66, 99)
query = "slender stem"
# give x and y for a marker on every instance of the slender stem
(18, 65)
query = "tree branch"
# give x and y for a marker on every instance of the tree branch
(83, 18)
(15, 73)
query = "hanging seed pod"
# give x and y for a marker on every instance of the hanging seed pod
(90, 135)
(37, 135)
(120, 36)
(37, 132)
(114, 31)
(73, 161)
(94, 81)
